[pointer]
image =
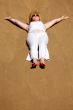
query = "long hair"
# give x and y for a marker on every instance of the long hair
(33, 13)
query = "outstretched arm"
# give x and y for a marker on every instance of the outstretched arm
(51, 23)
(17, 22)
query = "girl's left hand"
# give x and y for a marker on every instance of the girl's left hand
(65, 17)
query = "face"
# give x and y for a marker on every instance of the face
(35, 17)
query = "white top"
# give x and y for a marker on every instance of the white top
(36, 25)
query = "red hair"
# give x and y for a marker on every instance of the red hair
(33, 13)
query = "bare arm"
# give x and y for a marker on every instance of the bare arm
(18, 23)
(51, 23)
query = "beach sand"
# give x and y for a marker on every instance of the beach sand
(22, 88)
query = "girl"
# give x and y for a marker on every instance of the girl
(37, 39)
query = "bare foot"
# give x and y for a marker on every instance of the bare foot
(35, 63)
(42, 63)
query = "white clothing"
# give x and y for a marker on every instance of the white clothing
(37, 41)
(36, 25)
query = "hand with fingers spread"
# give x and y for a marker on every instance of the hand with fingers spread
(8, 18)
(64, 17)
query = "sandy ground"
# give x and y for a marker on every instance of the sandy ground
(22, 88)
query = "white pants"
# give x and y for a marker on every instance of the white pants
(38, 45)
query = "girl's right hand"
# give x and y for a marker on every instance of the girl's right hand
(8, 18)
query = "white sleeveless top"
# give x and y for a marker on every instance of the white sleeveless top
(36, 25)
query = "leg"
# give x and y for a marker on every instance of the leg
(34, 55)
(42, 51)
(34, 52)
(32, 41)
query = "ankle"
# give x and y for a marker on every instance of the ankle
(35, 61)
(42, 61)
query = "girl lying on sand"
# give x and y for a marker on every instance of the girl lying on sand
(37, 39)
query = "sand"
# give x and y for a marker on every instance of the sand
(22, 88)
